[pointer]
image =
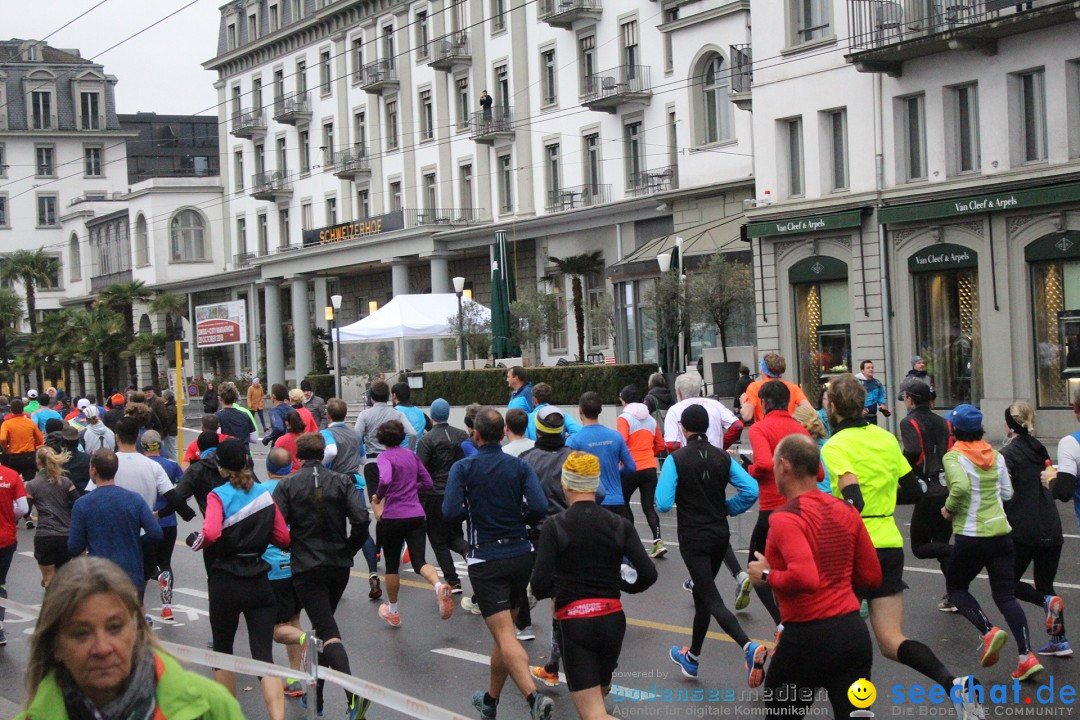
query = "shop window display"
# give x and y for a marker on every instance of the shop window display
(822, 321)
(947, 332)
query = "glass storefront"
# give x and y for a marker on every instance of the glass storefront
(947, 335)
(1054, 261)
(637, 321)
(822, 321)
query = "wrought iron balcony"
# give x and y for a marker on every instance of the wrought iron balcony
(450, 50)
(742, 75)
(443, 216)
(491, 124)
(271, 186)
(294, 109)
(884, 34)
(379, 76)
(249, 123)
(243, 260)
(563, 13)
(648, 182)
(351, 164)
(580, 196)
(609, 89)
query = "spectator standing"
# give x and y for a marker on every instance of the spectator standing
(256, 403)
(520, 389)
(875, 392)
(315, 404)
(210, 400)
(115, 410)
(918, 371)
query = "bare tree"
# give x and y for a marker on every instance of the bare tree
(720, 292)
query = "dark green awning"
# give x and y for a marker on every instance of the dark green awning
(805, 224)
(1056, 246)
(819, 268)
(943, 256)
(980, 203)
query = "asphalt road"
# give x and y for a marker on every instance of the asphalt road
(444, 662)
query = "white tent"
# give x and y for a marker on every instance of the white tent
(407, 316)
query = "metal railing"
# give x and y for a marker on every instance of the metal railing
(380, 71)
(270, 182)
(295, 103)
(552, 8)
(880, 23)
(454, 45)
(442, 216)
(250, 119)
(496, 119)
(100, 282)
(579, 196)
(742, 68)
(647, 182)
(353, 160)
(623, 80)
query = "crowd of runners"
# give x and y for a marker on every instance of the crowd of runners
(537, 502)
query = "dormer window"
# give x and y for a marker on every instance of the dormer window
(32, 53)
(41, 109)
(90, 104)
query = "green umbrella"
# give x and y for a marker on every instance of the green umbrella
(502, 294)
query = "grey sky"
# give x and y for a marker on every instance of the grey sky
(158, 71)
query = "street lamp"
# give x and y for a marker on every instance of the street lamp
(335, 300)
(459, 289)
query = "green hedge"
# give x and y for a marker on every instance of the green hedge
(322, 385)
(488, 387)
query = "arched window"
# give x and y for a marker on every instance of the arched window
(187, 230)
(142, 247)
(74, 258)
(715, 105)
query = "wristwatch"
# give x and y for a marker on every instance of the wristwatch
(765, 576)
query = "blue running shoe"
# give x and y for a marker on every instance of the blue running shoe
(756, 655)
(487, 712)
(681, 657)
(1058, 647)
(357, 708)
(303, 704)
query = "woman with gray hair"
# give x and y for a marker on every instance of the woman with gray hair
(93, 656)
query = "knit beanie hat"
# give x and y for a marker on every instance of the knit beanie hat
(581, 472)
(440, 410)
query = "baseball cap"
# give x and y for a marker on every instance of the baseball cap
(90, 412)
(31, 393)
(440, 410)
(916, 389)
(150, 437)
(965, 418)
(117, 399)
(69, 433)
(549, 419)
(83, 404)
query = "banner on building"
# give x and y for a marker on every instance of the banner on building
(221, 324)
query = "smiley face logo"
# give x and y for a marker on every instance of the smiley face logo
(862, 693)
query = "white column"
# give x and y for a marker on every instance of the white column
(440, 274)
(301, 319)
(275, 352)
(399, 277)
(322, 300)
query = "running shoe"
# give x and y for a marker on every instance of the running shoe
(394, 618)
(1055, 615)
(406, 559)
(166, 613)
(487, 712)
(542, 708)
(658, 549)
(992, 642)
(445, 600)
(526, 633)
(357, 708)
(470, 605)
(294, 689)
(755, 663)
(1026, 668)
(742, 591)
(1058, 647)
(455, 587)
(540, 674)
(681, 657)
(688, 585)
(530, 597)
(3, 637)
(303, 704)
(29, 524)
(946, 604)
(966, 704)
(374, 590)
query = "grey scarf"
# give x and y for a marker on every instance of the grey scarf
(137, 702)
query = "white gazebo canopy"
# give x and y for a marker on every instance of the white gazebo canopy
(407, 316)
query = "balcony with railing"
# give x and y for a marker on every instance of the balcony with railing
(609, 89)
(579, 196)
(487, 126)
(450, 50)
(249, 123)
(292, 109)
(451, 217)
(647, 182)
(352, 164)
(884, 34)
(104, 280)
(742, 76)
(271, 186)
(379, 76)
(563, 13)
(243, 260)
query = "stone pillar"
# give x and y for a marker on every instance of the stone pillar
(254, 323)
(399, 277)
(301, 319)
(275, 352)
(440, 283)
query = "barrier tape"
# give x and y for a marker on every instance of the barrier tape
(378, 694)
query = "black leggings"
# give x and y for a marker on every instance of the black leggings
(930, 533)
(396, 533)
(371, 480)
(6, 555)
(832, 653)
(445, 537)
(970, 555)
(590, 649)
(1046, 561)
(320, 591)
(252, 597)
(703, 558)
(645, 481)
(758, 538)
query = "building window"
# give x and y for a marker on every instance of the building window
(423, 34)
(597, 292)
(357, 59)
(282, 158)
(297, 10)
(462, 85)
(586, 61)
(558, 338)
(301, 77)
(92, 161)
(90, 105)
(913, 124)
(391, 125)
(187, 233)
(395, 196)
(548, 77)
(551, 172)
(506, 184)
(253, 27)
(328, 143)
(241, 235)
(331, 211)
(794, 141)
(1055, 303)
(431, 198)
(1033, 115)
(498, 15)
(811, 20)
(3, 212)
(264, 243)
(466, 187)
(74, 259)
(3, 159)
(304, 139)
(363, 204)
(324, 72)
(592, 163)
(633, 152)
(388, 44)
(256, 94)
(360, 130)
(238, 164)
(823, 328)
(231, 33)
(41, 109)
(46, 210)
(629, 37)
(275, 18)
(142, 242)
(670, 15)
(283, 228)
(502, 90)
(427, 118)
(307, 217)
(45, 166)
(237, 102)
(715, 88)
(260, 159)
(838, 147)
(964, 112)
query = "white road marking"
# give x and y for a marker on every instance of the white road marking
(628, 693)
(935, 571)
(193, 593)
(193, 614)
(27, 554)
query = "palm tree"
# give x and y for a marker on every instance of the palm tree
(121, 299)
(175, 307)
(33, 268)
(151, 345)
(578, 267)
(10, 315)
(51, 345)
(100, 329)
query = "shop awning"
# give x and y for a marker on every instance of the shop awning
(699, 242)
(980, 204)
(805, 224)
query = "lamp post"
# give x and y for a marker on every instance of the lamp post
(335, 348)
(459, 289)
(664, 261)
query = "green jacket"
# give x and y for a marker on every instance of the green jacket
(976, 494)
(181, 695)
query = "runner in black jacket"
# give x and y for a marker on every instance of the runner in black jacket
(438, 450)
